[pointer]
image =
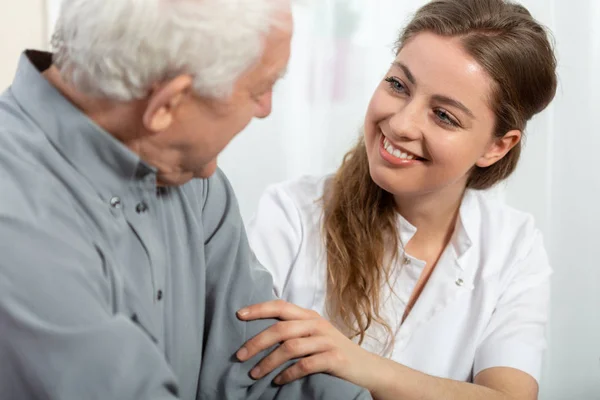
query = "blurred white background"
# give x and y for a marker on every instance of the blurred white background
(341, 50)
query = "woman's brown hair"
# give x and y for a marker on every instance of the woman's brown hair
(359, 221)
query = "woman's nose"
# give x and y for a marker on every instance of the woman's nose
(407, 122)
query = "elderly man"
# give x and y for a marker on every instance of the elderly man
(124, 258)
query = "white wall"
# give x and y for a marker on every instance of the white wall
(563, 183)
(22, 25)
(558, 183)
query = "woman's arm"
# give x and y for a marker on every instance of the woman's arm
(395, 381)
(306, 334)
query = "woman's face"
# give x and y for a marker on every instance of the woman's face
(430, 121)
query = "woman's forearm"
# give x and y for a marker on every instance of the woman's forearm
(394, 381)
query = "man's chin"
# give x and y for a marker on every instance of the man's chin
(206, 171)
(174, 180)
(179, 179)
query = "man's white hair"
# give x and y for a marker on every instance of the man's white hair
(117, 49)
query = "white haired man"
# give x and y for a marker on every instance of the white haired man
(124, 257)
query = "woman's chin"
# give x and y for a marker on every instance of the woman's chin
(383, 178)
(390, 181)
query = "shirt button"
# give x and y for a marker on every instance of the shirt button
(406, 261)
(459, 282)
(159, 295)
(115, 202)
(141, 207)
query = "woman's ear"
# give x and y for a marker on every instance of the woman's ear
(163, 102)
(499, 148)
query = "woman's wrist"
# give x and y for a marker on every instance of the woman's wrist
(381, 374)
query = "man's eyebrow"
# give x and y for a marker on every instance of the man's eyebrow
(275, 78)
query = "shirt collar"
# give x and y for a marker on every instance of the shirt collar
(407, 230)
(466, 226)
(103, 160)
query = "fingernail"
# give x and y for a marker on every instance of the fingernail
(277, 380)
(255, 372)
(243, 312)
(242, 353)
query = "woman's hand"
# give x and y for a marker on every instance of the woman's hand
(304, 333)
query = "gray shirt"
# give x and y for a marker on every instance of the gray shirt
(109, 287)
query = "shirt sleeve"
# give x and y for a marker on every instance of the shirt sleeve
(275, 235)
(515, 336)
(59, 338)
(235, 279)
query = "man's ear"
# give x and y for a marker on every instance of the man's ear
(163, 102)
(499, 148)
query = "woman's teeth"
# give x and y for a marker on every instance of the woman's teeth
(396, 152)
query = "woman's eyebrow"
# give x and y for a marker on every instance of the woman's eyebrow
(438, 97)
(452, 102)
(406, 70)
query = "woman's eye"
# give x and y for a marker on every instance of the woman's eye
(445, 118)
(396, 85)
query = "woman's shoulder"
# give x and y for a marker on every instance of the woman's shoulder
(291, 207)
(305, 192)
(285, 237)
(494, 206)
(499, 226)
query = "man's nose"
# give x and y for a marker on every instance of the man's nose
(265, 105)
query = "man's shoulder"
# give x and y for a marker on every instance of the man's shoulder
(32, 196)
(13, 118)
(24, 187)
(21, 140)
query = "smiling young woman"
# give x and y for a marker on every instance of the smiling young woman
(399, 272)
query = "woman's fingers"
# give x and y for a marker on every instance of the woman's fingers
(277, 333)
(279, 309)
(289, 350)
(302, 332)
(306, 366)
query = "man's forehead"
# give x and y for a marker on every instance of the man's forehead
(274, 63)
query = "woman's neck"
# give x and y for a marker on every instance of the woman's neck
(433, 214)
